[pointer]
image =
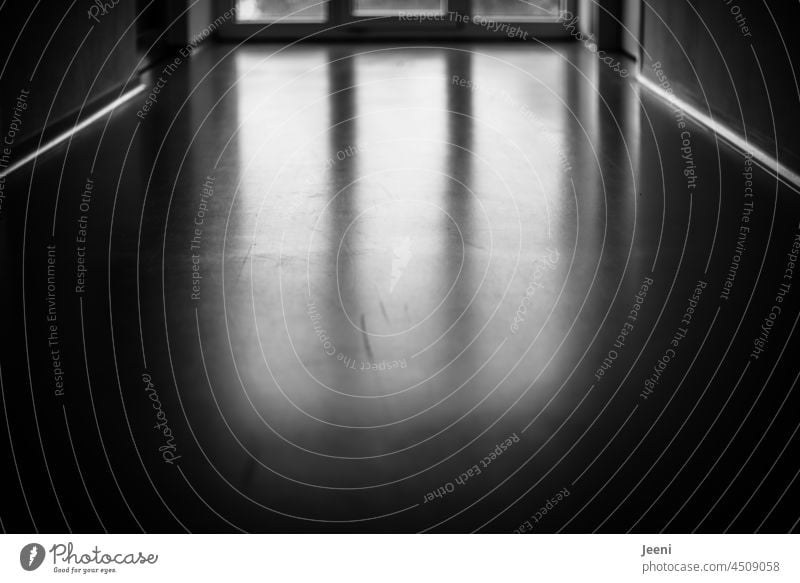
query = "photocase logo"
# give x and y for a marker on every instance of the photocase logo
(31, 556)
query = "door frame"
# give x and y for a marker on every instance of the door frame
(456, 24)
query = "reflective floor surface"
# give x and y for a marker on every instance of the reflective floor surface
(370, 288)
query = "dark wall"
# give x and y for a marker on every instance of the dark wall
(92, 70)
(713, 62)
(166, 27)
(586, 10)
(96, 58)
(632, 30)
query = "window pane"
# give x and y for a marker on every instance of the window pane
(386, 7)
(517, 9)
(287, 10)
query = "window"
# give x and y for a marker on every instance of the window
(397, 7)
(398, 19)
(284, 10)
(516, 10)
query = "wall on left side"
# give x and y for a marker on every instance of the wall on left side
(65, 60)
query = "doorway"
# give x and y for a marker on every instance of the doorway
(395, 19)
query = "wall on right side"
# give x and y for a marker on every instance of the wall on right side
(734, 62)
(632, 21)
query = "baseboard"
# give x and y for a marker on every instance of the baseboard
(62, 130)
(761, 158)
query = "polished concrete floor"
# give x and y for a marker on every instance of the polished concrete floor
(370, 288)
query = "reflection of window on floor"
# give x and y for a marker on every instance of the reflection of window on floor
(385, 7)
(516, 9)
(288, 10)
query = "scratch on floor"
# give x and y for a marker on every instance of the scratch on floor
(366, 339)
(474, 244)
(244, 262)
